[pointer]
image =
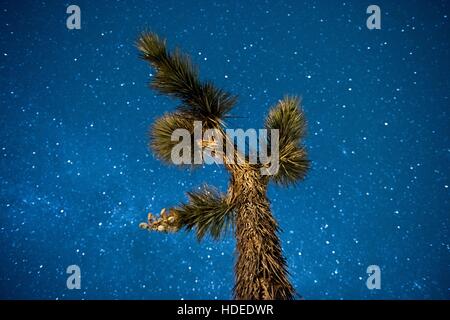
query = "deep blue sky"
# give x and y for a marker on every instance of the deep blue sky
(76, 177)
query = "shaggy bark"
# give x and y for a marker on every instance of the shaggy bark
(260, 270)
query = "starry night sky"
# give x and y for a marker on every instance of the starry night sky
(76, 176)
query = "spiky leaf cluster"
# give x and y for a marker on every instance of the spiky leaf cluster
(161, 133)
(207, 212)
(176, 76)
(289, 119)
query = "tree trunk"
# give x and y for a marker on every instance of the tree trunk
(260, 269)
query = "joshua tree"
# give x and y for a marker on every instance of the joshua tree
(260, 270)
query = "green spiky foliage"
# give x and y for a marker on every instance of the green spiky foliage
(176, 77)
(208, 212)
(289, 119)
(161, 133)
(260, 270)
